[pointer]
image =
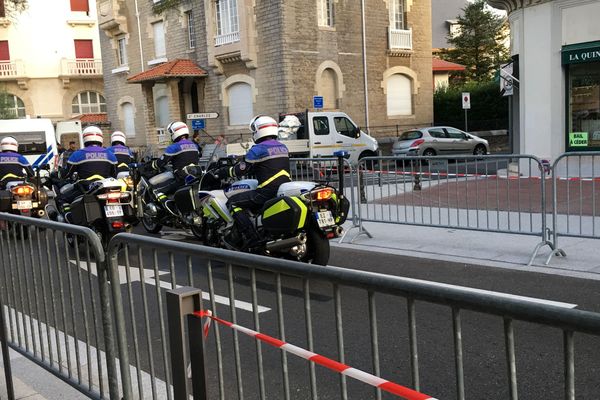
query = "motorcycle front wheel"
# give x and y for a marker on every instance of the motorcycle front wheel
(150, 225)
(317, 248)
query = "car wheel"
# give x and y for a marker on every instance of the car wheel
(429, 153)
(480, 150)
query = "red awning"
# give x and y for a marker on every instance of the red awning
(180, 68)
(100, 118)
(443, 65)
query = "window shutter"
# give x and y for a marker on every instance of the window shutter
(80, 5)
(399, 95)
(4, 52)
(2, 11)
(84, 49)
(240, 104)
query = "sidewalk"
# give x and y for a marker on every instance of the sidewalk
(496, 250)
(32, 382)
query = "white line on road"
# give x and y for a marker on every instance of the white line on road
(149, 278)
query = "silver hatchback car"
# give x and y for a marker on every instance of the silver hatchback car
(438, 141)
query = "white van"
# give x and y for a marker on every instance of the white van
(37, 141)
(321, 134)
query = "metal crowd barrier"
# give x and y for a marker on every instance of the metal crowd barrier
(575, 198)
(493, 193)
(371, 321)
(55, 302)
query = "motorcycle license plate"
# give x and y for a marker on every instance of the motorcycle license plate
(325, 218)
(113, 211)
(24, 204)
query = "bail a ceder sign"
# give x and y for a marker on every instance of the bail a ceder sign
(581, 53)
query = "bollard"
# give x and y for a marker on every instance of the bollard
(417, 182)
(181, 304)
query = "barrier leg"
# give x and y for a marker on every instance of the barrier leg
(180, 303)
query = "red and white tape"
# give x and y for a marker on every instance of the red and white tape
(333, 365)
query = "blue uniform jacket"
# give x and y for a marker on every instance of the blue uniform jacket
(180, 154)
(124, 157)
(14, 166)
(92, 161)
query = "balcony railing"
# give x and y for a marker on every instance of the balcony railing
(220, 40)
(11, 69)
(400, 39)
(82, 67)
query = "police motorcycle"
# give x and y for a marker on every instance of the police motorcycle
(106, 206)
(151, 212)
(297, 224)
(26, 197)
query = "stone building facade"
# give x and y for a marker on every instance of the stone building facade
(50, 64)
(260, 57)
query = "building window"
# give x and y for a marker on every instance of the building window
(162, 112)
(584, 106)
(80, 5)
(397, 14)
(4, 51)
(228, 27)
(128, 119)
(122, 50)
(160, 49)
(325, 12)
(191, 30)
(12, 106)
(241, 109)
(84, 49)
(2, 10)
(399, 95)
(88, 102)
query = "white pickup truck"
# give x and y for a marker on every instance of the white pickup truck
(320, 134)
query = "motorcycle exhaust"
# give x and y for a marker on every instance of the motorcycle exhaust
(286, 244)
(338, 231)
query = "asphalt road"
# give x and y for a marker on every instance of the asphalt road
(539, 349)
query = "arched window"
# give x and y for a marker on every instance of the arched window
(240, 105)
(399, 95)
(128, 118)
(88, 102)
(329, 88)
(162, 112)
(12, 106)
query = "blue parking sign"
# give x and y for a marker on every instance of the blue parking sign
(318, 102)
(198, 124)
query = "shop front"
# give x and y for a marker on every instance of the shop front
(582, 70)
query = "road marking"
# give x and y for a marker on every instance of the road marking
(493, 293)
(150, 279)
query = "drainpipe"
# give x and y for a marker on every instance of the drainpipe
(137, 16)
(364, 57)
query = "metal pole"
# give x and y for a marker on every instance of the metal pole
(364, 56)
(180, 302)
(10, 391)
(466, 125)
(196, 343)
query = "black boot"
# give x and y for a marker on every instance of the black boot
(246, 229)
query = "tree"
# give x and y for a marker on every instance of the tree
(480, 42)
(12, 8)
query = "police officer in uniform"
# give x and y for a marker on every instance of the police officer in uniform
(268, 160)
(121, 151)
(13, 166)
(180, 154)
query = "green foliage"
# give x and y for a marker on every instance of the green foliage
(489, 109)
(479, 45)
(7, 106)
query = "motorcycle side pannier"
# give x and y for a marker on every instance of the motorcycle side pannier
(5, 201)
(185, 200)
(284, 215)
(85, 210)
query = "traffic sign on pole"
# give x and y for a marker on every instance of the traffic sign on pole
(466, 100)
(318, 102)
(198, 124)
(209, 115)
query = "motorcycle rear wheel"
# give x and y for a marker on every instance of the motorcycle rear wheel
(317, 248)
(150, 225)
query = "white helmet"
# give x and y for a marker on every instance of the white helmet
(92, 134)
(118, 136)
(263, 126)
(177, 129)
(9, 143)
